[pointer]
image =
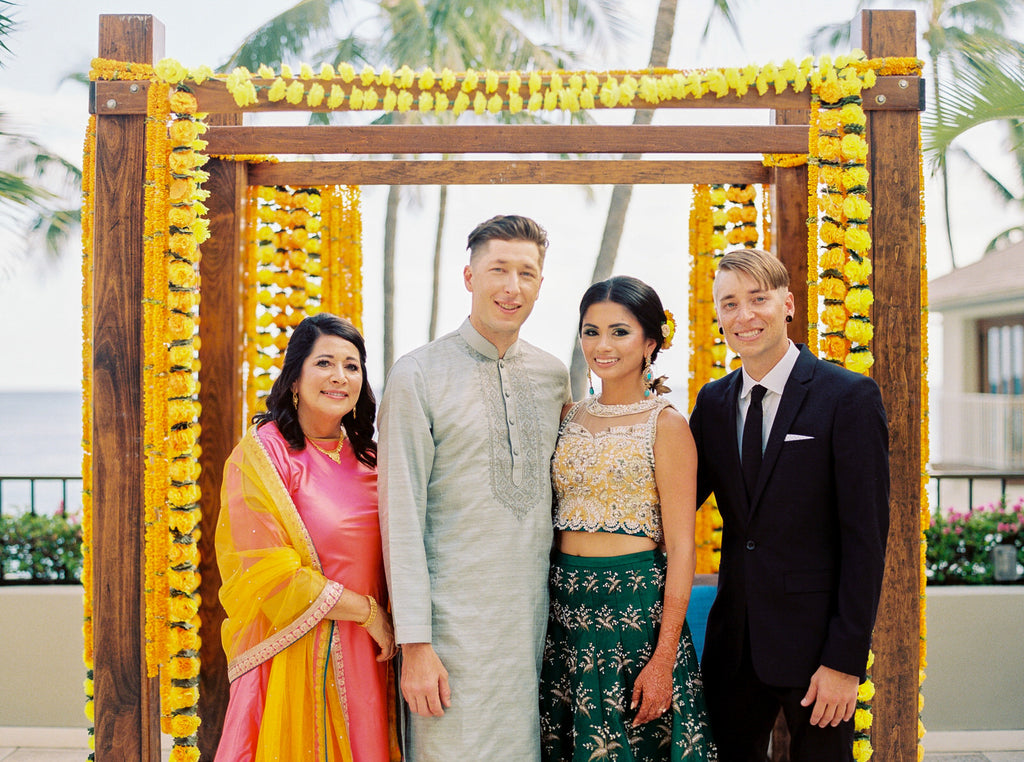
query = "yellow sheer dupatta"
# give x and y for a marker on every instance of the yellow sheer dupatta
(275, 595)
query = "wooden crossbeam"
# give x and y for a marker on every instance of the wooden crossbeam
(888, 94)
(551, 172)
(526, 138)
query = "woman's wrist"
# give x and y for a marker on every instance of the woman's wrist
(372, 614)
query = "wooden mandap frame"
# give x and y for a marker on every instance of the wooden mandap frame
(127, 702)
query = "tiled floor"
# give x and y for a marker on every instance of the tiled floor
(69, 745)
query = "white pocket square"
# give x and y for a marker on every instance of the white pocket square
(797, 437)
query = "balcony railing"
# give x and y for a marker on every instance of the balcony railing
(984, 431)
(40, 494)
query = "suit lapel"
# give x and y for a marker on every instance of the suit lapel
(792, 399)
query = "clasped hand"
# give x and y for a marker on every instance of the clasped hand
(383, 633)
(653, 689)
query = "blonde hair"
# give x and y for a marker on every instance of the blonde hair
(762, 266)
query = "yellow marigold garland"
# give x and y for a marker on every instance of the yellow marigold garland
(88, 220)
(812, 225)
(704, 337)
(187, 230)
(741, 215)
(845, 276)
(343, 88)
(305, 256)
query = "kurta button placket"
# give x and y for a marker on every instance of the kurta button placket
(510, 420)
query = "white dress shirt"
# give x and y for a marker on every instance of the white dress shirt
(775, 382)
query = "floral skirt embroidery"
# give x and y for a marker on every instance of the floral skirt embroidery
(602, 629)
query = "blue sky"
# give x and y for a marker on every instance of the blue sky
(42, 351)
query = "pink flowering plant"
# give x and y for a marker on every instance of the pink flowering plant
(960, 543)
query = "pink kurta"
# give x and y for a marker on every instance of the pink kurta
(338, 506)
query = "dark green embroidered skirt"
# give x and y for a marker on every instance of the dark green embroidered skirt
(602, 629)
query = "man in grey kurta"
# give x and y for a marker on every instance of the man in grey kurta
(467, 427)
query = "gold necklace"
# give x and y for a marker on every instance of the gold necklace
(334, 454)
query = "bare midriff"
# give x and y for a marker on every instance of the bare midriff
(592, 544)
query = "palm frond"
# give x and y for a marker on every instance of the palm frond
(292, 32)
(16, 190)
(986, 91)
(722, 9)
(1005, 194)
(55, 229)
(7, 26)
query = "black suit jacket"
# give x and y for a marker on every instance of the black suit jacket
(802, 560)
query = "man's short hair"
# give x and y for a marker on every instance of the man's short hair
(508, 227)
(763, 266)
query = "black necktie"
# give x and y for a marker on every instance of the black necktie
(750, 451)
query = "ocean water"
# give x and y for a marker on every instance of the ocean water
(40, 435)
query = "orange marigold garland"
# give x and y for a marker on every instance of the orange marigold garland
(88, 219)
(925, 457)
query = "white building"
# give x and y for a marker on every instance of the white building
(978, 413)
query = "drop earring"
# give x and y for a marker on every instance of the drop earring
(590, 381)
(295, 400)
(648, 376)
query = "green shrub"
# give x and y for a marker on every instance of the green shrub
(960, 543)
(37, 548)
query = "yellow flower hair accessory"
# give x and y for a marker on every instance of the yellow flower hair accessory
(668, 330)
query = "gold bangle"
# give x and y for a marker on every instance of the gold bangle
(373, 612)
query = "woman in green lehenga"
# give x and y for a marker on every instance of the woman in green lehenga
(620, 679)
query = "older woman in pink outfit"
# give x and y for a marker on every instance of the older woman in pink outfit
(307, 635)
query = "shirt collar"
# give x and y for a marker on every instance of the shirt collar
(482, 345)
(775, 379)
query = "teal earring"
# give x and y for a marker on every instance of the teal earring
(590, 381)
(648, 377)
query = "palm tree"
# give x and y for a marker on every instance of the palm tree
(664, 27)
(960, 34)
(459, 34)
(991, 89)
(33, 182)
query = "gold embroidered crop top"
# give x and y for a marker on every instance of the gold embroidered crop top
(603, 469)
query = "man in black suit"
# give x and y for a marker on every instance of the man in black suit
(796, 451)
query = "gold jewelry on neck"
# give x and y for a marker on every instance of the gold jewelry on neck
(334, 454)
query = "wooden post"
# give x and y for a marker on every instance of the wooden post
(789, 217)
(220, 394)
(893, 150)
(127, 702)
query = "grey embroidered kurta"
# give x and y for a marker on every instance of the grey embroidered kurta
(466, 440)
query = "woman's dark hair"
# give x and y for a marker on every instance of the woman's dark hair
(358, 422)
(637, 297)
